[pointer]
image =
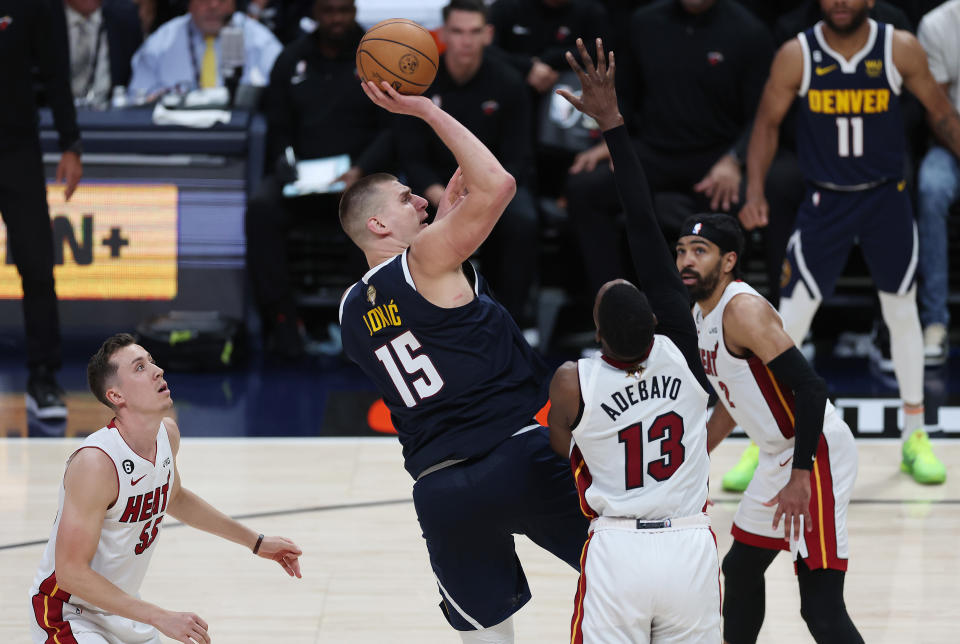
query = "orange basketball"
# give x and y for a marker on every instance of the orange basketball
(400, 52)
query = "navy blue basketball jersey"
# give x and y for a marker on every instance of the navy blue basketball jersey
(457, 381)
(849, 127)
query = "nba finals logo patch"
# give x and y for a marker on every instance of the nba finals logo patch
(371, 295)
(874, 68)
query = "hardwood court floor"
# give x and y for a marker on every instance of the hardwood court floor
(346, 502)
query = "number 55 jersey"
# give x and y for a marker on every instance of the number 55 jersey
(130, 528)
(457, 381)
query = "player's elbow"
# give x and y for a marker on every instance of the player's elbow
(69, 573)
(505, 187)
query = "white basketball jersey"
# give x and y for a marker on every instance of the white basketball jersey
(131, 525)
(756, 400)
(640, 445)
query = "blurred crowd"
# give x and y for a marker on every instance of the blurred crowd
(689, 72)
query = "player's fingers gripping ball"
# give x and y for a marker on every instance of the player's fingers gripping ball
(400, 52)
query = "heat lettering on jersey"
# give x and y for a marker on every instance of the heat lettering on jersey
(145, 506)
(381, 317)
(659, 387)
(709, 359)
(848, 101)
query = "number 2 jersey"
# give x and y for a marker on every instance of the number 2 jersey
(457, 381)
(756, 400)
(849, 125)
(644, 437)
(129, 529)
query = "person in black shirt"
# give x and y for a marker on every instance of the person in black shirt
(690, 79)
(33, 35)
(315, 107)
(488, 97)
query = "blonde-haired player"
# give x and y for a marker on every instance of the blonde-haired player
(118, 487)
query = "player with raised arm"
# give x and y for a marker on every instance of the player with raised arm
(461, 383)
(633, 423)
(845, 74)
(807, 455)
(118, 487)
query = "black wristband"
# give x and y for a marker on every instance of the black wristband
(256, 548)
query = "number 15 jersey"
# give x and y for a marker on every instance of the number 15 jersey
(458, 381)
(640, 444)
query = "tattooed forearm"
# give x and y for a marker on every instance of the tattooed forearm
(947, 131)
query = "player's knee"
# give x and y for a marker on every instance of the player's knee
(501, 633)
(899, 310)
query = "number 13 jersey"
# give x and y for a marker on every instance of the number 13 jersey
(849, 126)
(458, 381)
(640, 444)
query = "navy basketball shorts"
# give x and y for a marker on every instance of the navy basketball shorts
(470, 511)
(830, 222)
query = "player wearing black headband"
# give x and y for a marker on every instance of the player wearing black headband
(807, 456)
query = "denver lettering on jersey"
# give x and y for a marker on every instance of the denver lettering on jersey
(381, 317)
(848, 101)
(709, 359)
(145, 506)
(659, 387)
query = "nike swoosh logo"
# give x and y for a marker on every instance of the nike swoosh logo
(825, 70)
(781, 464)
(135, 481)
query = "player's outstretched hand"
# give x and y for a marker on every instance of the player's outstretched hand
(792, 502)
(598, 96)
(183, 627)
(284, 552)
(393, 101)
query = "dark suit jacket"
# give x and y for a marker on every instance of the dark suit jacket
(124, 36)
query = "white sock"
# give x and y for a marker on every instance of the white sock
(502, 633)
(912, 421)
(906, 349)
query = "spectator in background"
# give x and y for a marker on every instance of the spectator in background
(938, 184)
(185, 52)
(103, 35)
(33, 36)
(535, 34)
(690, 81)
(532, 36)
(488, 97)
(316, 107)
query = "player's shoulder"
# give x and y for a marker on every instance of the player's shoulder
(747, 310)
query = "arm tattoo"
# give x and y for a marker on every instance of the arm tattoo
(947, 130)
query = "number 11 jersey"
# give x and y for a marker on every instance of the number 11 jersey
(849, 125)
(457, 381)
(640, 443)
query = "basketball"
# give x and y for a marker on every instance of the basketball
(400, 52)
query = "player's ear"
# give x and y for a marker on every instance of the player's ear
(114, 396)
(487, 35)
(377, 227)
